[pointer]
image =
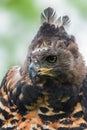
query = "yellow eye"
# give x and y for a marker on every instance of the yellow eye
(51, 59)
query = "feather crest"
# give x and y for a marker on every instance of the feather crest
(65, 21)
(49, 16)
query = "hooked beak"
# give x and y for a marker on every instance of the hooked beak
(35, 70)
(44, 71)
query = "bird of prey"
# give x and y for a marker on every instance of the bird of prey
(49, 92)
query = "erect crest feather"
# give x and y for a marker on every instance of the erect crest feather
(49, 16)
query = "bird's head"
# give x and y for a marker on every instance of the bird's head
(53, 53)
(56, 59)
(51, 60)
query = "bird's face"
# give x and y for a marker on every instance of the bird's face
(52, 60)
(54, 53)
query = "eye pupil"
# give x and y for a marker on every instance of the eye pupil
(51, 59)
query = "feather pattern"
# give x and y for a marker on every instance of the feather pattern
(65, 21)
(49, 16)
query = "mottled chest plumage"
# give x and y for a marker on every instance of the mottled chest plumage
(43, 107)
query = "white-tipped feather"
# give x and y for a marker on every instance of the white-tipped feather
(49, 16)
(65, 21)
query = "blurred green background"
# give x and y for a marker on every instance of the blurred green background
(20, 20)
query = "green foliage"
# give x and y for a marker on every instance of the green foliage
(24, 8)
(81, 6)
